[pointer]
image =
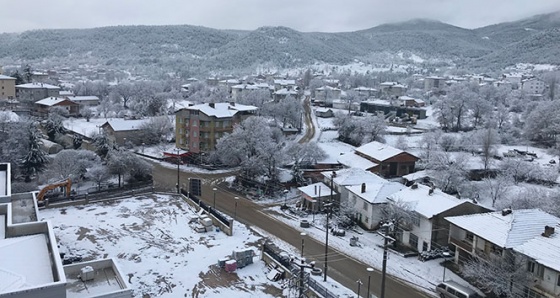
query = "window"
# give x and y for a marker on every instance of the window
(413, 240)
(194, 112)
(558, 280)
(194, 123)
(367, 219)
(366, 206)
(469, 237)
(415, 219)
(536, 269)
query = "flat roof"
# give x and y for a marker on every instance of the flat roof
(105, 280)
(28, 264)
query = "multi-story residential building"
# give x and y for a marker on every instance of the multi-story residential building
(36, 91)
(7, 87)
(392, 89)
(533, 86)
(527, 235)
(434, 83)
(199, 127)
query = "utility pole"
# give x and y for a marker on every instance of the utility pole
(301, 279)
(384, 268)
(328, 206)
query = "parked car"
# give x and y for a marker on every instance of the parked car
(451, 289)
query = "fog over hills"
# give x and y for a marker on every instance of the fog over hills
(532, 40)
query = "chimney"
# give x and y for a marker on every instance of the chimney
(363, 187)
(548, 231)
(414, 185)
(212, 105)
(431, 191)
(506, 211)
(232, 103)
(315, 189)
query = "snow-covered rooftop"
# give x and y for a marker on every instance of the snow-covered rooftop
(65, 93)
(285, 82)
(376, 190)
(222, 109)
(379, 151)
(285, 91)
(50, 101)
(508, 231)
(28, 264)
(353, 160)
(3, 77)
(328, 88)
(352, 176)
(37, 85)
(423, 203)
(82, 98)
(124, 125)
(361, 88)
(316, 190)
(544, 250)
(245, 86)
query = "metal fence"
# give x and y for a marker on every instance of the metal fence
(320, 289)
(217, 214)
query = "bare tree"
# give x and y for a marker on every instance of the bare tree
(399, 213)
(98, 174)
(498, 187)
(489, 139)
(504, 274)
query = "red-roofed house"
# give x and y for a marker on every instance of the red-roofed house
(387, 161)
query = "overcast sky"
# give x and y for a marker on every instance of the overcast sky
(302, 15)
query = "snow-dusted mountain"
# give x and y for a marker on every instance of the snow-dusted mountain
(531, 40)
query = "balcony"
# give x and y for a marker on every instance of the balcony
(465, 245)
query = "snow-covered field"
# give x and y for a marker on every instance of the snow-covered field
(161, 255)
(158, 252)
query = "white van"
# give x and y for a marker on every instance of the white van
(451, 289)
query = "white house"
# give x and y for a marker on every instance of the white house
(427, 208)
(363, 192)
(315, 195)
(528, 234)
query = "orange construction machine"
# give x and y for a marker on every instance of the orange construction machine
(67, 184)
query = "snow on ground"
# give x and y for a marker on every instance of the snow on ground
(423, 275)
(159, 253)
(430, 122)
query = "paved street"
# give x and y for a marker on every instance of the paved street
(345, 270)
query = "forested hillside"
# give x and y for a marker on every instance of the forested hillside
(532, 40)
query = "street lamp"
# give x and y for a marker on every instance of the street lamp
(313, 209)
(445, 256)
(359, 285)
(235, 209)
(369, 270)
(328, 206)
(178, 164)
(302, 242)
(285, 197)
(214, 189)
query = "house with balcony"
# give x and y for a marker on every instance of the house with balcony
(530, 235)
(43, 106)
(425, 227)
(434, 83)
(382, 159)
(199, 127)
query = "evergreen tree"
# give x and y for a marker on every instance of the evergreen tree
(36, 159)
(101, 143)
(28, 74)
(18, 77)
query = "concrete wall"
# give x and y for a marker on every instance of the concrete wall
(125, 292)
(227, 229)
(54, 290)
